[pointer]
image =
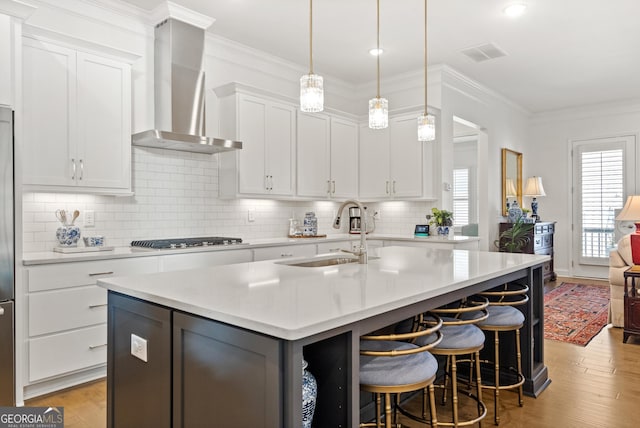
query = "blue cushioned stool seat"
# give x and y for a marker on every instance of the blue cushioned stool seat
(390, 371)
(456, 337)
(498, 316)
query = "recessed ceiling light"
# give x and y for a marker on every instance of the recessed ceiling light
(515, 10)
(376, 52)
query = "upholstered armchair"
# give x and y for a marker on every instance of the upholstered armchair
(619, 260)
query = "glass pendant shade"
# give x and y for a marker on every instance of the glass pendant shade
(426, 127)
(378, 113)
(311, 93)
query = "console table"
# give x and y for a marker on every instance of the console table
(631, 304)
(540, 242)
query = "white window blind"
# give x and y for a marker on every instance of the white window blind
(602, 179)
(461, 196)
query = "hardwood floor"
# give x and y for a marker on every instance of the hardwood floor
(596, 386)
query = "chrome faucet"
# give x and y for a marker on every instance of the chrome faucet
(362, 251)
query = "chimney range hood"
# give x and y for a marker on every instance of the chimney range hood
(179, 93)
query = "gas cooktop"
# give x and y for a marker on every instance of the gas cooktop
(177, 243)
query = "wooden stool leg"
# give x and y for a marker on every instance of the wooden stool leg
(478, 385)
(496, 392)
(432, 407)
(387, 410)
(446, 380)
(519, 357)
(454, 389)
(378, 414)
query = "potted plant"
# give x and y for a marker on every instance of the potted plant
(442, 220)
(514, 239)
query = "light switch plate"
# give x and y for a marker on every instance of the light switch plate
(139, 347)
(89, 218)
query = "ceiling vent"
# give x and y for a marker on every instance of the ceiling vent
(483, 52)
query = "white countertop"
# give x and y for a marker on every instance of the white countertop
(292, 302)
(47, 257)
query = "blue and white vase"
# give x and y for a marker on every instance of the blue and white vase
(443, 231)
(309, 395)
(68, 236)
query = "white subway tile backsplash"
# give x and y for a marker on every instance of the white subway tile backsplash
(176, 195)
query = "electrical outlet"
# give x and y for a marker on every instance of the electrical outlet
(251, 215)
(89, 218)
(139, 347)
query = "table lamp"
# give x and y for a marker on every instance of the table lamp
(534, 188)
(631, 212)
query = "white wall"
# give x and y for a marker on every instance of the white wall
(548, 156)
(175, 194)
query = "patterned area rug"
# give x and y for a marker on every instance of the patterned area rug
(575, 313)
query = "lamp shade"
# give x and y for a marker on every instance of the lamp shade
(534, 187)
(511, 188)
(631, 209)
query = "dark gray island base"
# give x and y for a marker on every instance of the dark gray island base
(202, 372)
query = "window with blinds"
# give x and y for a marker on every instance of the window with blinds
(602, 191)
(461, 196)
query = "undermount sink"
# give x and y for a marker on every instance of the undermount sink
(328, 261)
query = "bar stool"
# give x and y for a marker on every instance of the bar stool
(391, 364)
(504, 317)
(460, 337)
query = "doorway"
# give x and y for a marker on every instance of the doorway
(603, 175)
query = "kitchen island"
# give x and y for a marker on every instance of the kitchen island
(227, 342)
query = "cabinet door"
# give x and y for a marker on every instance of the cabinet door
(280, 148)
(251, 123)
(6, 61)
(374, 163)
(216, 367)
(104, 125)
(344, 158)
(405, 155)
(313, 155)
(49, 114)
(205, 259)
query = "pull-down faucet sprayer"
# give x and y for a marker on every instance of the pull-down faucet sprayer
(362, 251)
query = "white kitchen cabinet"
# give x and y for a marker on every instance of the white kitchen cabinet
(77, 120)
(267, 128)
(204, 259)
(67, 316)
(392, 162)
(284, 251)
(327, 156)
(436, 243)
(6, 61)
(334, 247)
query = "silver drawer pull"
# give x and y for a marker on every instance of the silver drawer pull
(101, 273)
(97, 306)
(286, 255)
(97, 346)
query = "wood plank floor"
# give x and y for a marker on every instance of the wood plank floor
(596, 386)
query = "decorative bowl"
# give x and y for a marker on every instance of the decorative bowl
(93, 241)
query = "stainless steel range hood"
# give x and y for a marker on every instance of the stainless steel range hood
(179, 93)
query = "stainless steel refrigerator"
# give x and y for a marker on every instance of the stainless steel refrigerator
(7, 260)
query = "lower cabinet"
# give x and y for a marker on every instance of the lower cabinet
(196, 373)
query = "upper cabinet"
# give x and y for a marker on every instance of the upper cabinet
(264, 167)
(77, 120)
(327, 157)
(393, 163)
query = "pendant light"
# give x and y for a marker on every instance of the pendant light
(426, 121)
(311, 86)
(378, 107)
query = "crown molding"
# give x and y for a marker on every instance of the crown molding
(172, 10)
(16, 9)
(615, 108)
(448, 71)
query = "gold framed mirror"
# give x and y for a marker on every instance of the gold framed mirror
(511, 178)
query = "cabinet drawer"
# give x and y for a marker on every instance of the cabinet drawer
(59, 310)
(270, 253)
(67, 352)
(62, 275)
(332, 247)
(199, 260)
